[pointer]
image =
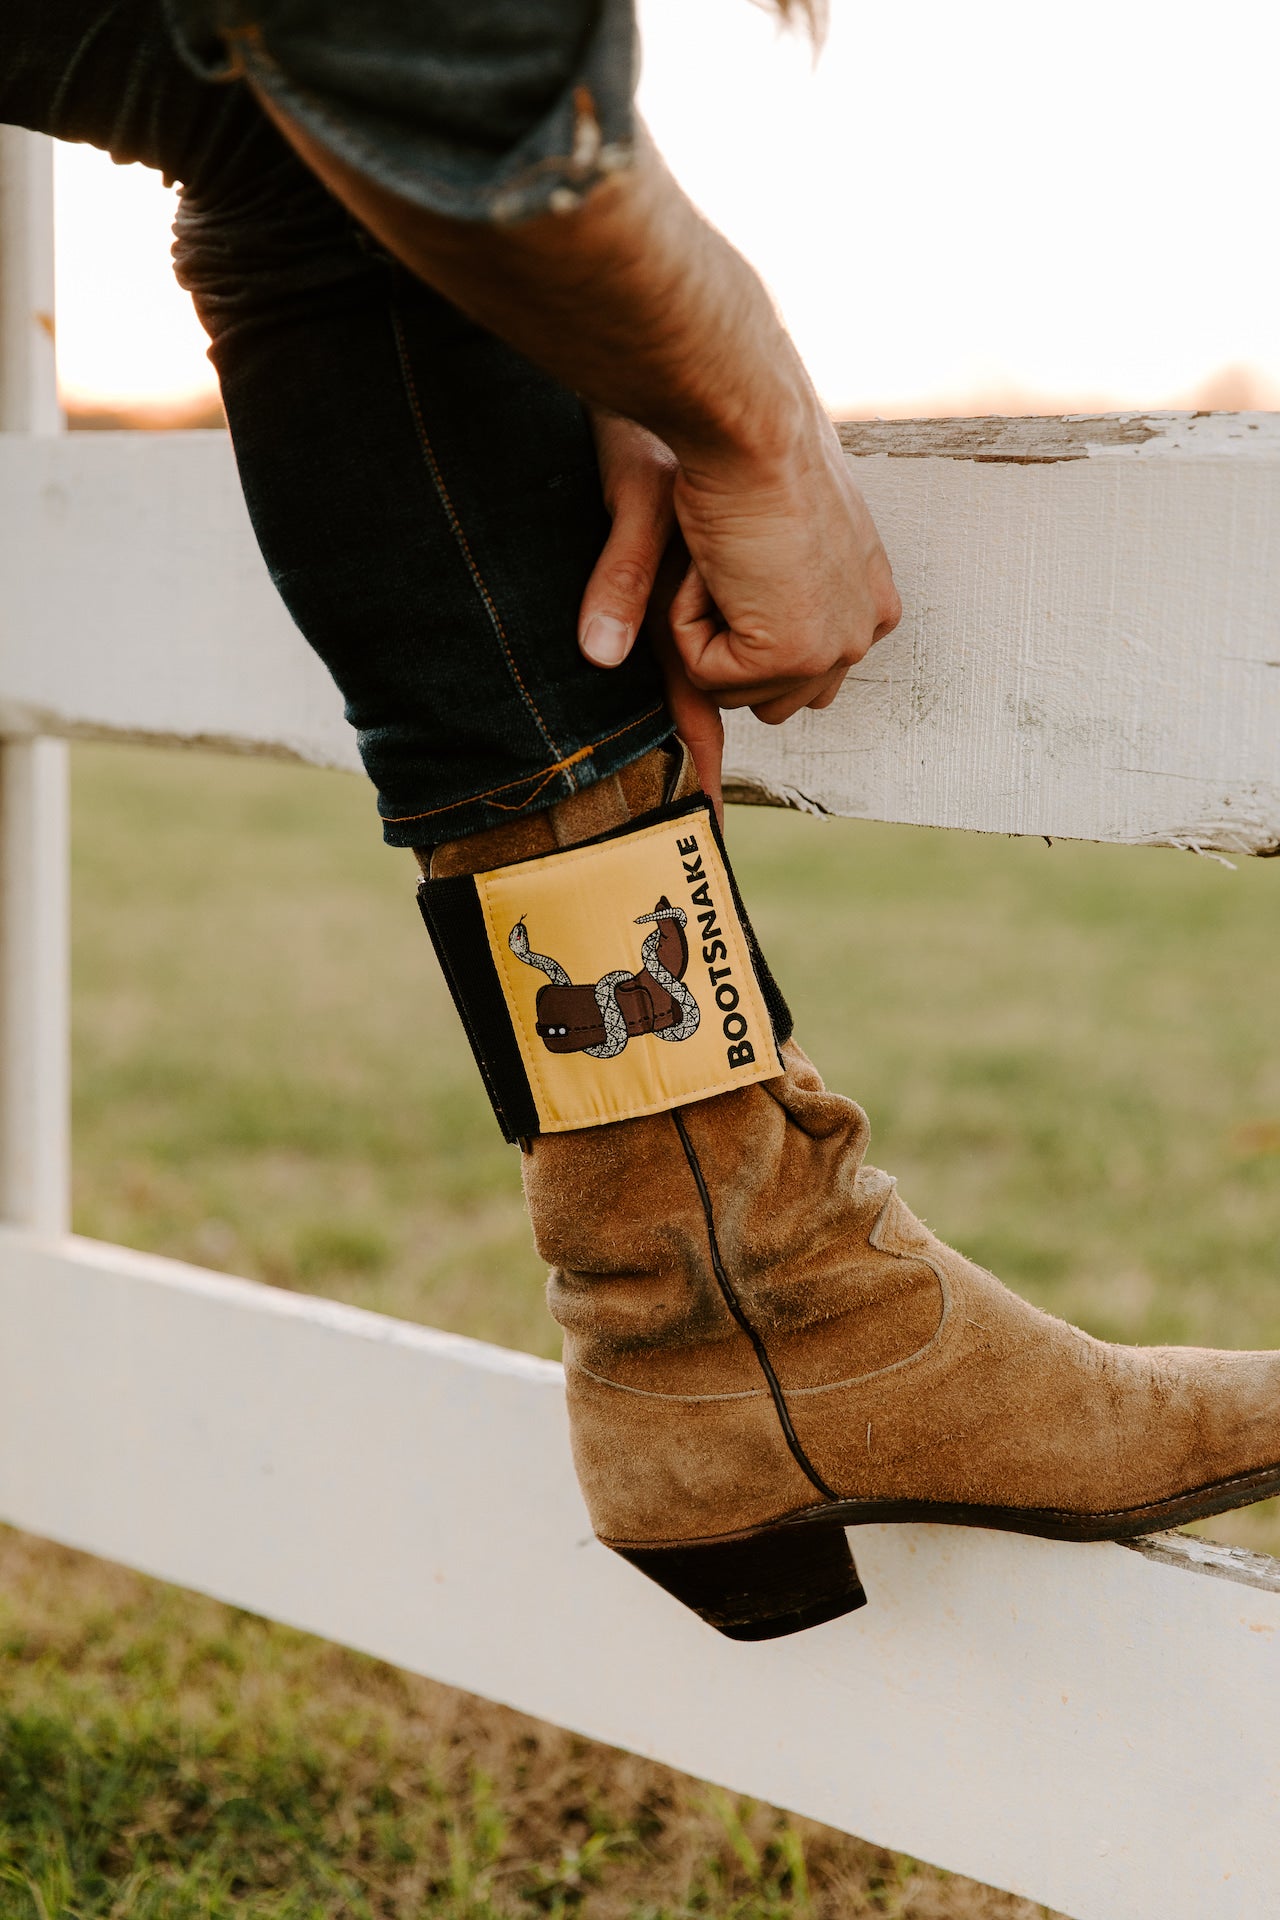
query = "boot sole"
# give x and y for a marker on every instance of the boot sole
(1050, 1523)
(799, 1572)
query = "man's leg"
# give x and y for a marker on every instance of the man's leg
(428, 503)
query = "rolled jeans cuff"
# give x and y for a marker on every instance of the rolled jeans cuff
(531, 792)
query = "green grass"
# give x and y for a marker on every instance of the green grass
(1070, 1062)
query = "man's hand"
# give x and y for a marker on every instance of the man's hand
(789, 585)
(786, 584)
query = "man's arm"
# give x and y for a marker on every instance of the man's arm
(636, 303)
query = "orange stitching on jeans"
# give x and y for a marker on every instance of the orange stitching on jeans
(518, 806)
(458, 533)
(548, 773)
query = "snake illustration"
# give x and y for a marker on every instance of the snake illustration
(518, 941)
(605, 989)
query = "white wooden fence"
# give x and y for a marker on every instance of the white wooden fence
(1092, 649)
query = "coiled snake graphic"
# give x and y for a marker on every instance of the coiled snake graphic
(605, 989)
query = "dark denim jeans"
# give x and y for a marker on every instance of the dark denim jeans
(427, 502)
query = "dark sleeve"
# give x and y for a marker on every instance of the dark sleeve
(475, 109)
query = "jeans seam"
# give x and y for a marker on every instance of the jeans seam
(460, 537)
(542, 777)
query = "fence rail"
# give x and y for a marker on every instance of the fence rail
(1094, 650)
(1089, 650)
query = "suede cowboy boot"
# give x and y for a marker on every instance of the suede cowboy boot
(763, 1345)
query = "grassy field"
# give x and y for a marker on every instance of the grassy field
(1069, 1062)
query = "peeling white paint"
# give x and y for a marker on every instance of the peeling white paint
(1207, 1556)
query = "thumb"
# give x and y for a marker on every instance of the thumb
(617, 594)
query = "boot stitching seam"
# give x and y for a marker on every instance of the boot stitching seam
(827, 1386)
(647, 1393)
(735, 1307)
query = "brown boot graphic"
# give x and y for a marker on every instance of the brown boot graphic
(599, 1020)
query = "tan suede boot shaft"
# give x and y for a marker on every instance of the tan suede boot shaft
(757, 1328)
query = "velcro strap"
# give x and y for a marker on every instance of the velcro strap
(611, 979)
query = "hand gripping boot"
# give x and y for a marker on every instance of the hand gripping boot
(763, 1345)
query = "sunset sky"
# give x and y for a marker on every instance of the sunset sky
(1003, 204)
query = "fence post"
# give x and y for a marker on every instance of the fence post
(34, 885)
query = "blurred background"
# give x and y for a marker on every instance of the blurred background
(1066, 1051)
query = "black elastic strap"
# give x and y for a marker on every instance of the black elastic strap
(455, 920)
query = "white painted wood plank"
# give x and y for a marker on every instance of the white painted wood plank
(1090, 648)
(1091, 644)
(1091, 1726)
(134, 603)
(35, 972)
(34, 887)
(28, 375)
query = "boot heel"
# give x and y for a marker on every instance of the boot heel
(763, 1587)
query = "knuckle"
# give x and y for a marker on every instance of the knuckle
(803, 669)
(658, 465)
(631, 579)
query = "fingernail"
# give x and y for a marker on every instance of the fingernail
(606, 641)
